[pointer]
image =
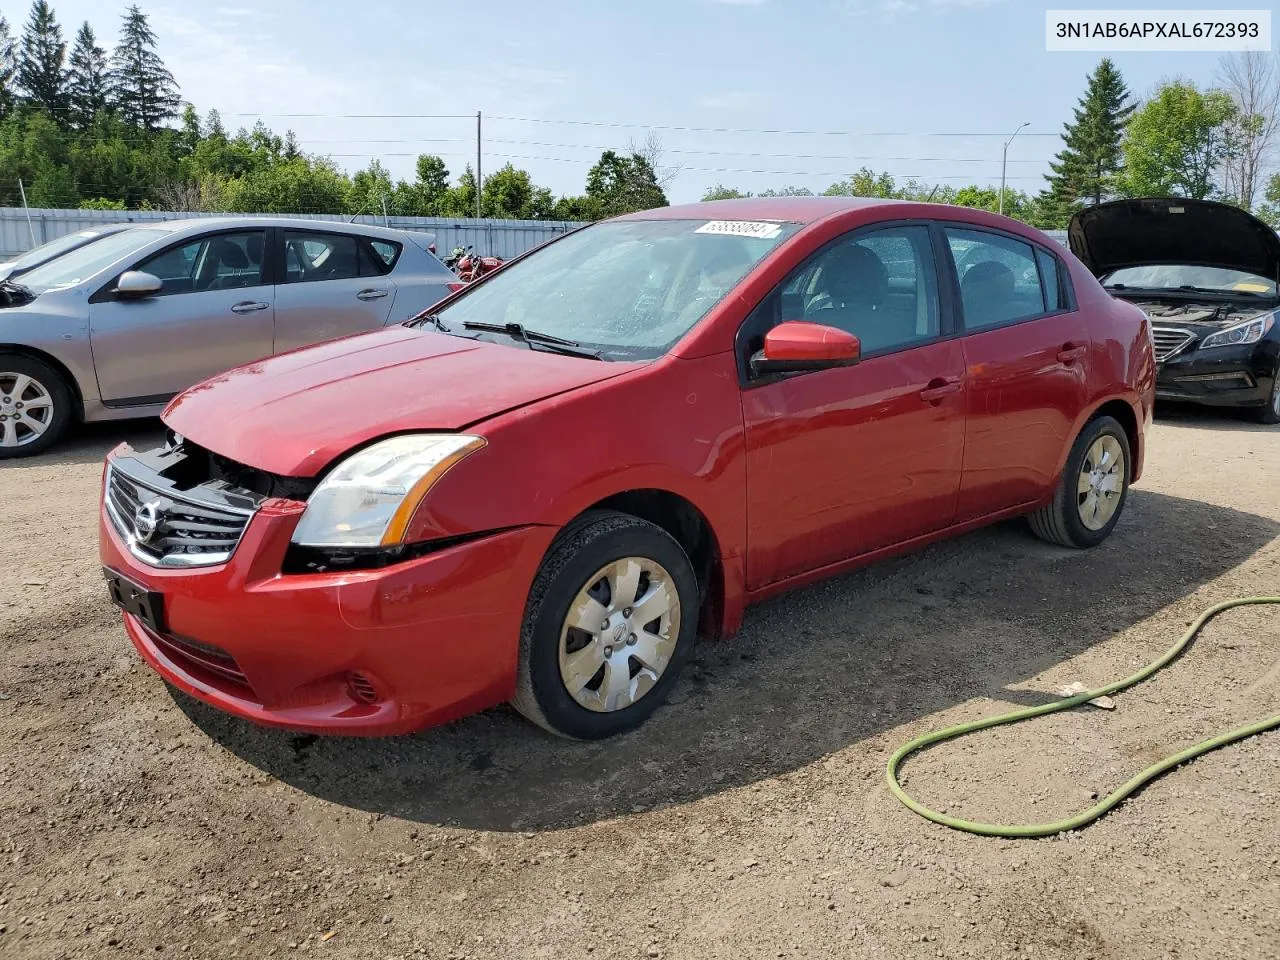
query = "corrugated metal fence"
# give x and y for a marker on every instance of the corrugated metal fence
(20, 229)
(503, 238)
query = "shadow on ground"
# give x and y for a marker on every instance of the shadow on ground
(90, 442)
(1172, 413)
(811, 673)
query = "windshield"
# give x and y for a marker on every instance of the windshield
(628, 289)
(52, 249)
(71, 268)
(1173, 276)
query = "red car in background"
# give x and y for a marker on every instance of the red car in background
(545, 489)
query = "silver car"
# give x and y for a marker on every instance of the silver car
(114, 329)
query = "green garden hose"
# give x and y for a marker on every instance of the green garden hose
(1107, 803)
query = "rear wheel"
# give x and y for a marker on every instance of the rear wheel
(35, 406)
(609, 623)
(1092, 491)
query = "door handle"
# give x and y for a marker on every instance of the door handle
(939, 389)
(1071, 352)
(249, 306)
(371, 294)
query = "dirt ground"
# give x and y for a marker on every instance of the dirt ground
(748, 819)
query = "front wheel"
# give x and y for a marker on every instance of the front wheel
(1270, 414)
(35, 406)
(609, 623)
(1092, 490)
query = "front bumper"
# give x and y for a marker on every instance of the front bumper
(1220, 376)
(428, 640)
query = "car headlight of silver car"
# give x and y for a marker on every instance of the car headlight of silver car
(1250, 331)
(369, 498)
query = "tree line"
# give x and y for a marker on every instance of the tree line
(1182, 141)
(84, 127)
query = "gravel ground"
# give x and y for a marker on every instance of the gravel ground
(748, 819)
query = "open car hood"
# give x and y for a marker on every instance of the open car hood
(295, 413)
(1171, 230)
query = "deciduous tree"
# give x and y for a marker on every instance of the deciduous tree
(1176, 144)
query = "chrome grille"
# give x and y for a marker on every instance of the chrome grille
(1170, 340)
(165, 529)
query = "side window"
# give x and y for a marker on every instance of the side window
(225, 261)
(1050, 271)
(320, 256)
(880, 286)
(384, 256)
(999, 278)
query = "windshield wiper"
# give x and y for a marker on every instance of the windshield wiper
(1219, 291)
(531, 338)
(431, 318)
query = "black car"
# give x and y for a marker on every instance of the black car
(1206, 275)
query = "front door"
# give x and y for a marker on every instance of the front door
(844, 461)
(1026, 354)
(334, 284)
(214, 312)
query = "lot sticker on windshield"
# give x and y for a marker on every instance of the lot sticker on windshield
(761, 229)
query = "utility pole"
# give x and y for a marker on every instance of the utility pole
(30, 229)
(1004, 160)
(479, 178)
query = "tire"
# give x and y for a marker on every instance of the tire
(38, 383)
(1067, 519)
(579, 570)
(1270, 414)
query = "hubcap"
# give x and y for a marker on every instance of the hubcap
(26, 409)
(619, 634)
(1275, 394)
(1101, 482)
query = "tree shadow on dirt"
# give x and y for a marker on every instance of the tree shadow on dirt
(811, 673)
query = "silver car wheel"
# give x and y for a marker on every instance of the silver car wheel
(1101, 482)
(1275, 394)
(26, 409)
(619, 634)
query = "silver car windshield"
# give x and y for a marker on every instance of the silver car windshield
(52, 249)
(78, 265)
(1175, 276)
(629, 289)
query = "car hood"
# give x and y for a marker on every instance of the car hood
(1170, 230)
(295, 413)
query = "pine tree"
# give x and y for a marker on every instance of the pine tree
(42, 71)
(144, 91)
(1085, 169)
(8, 69)
(89, 80)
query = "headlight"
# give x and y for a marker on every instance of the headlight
(367, 500)
(1251, 331)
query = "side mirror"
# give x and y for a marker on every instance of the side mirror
(134, 284)
(796, 345)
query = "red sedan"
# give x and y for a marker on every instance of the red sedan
(545, 489)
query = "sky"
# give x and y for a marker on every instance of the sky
(925, 88)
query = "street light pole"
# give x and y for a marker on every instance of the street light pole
(1004, 162)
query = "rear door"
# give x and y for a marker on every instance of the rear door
(1026, 352)
(332, 285)
(214, 312)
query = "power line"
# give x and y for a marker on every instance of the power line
(764, 130)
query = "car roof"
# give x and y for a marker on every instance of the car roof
(791, 209)
(221, 223)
